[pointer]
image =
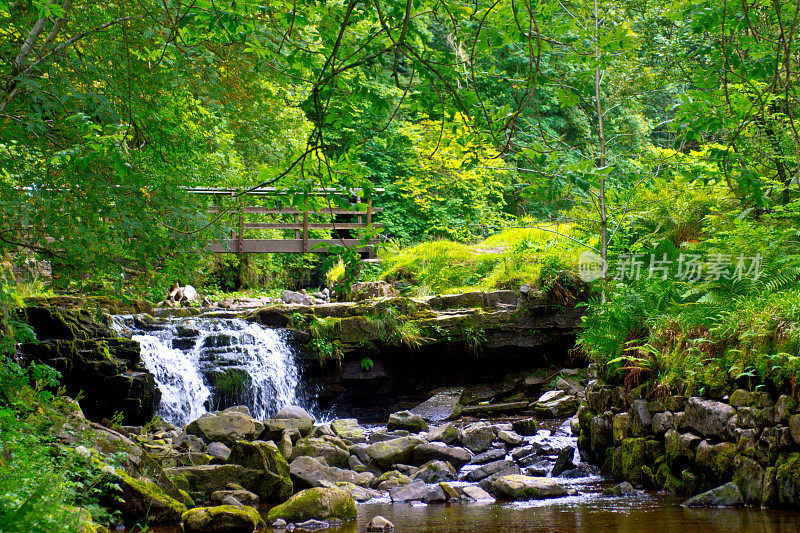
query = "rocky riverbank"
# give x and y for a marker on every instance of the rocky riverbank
(692, 445)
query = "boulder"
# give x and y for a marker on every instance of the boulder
(435, 472)
(727, 495)
(716, 459)
(318, 503)
(388, 453)
(745, 398)
(623, 489)
(708, 417)
(787, 478)
(226, 427)
(510, 438)
(244, 497)
(384, 435)
(446, 433)
(379, 524)
(275, 483)
(441, 406)
(223, 518)
(141, 497)
(477, 437)
(359, 494)
(556, 404)
(476, 493)
(526, 426)
(749, 477)
(218, 451)
(202, 480)
(454, 455)
(519, 487)
(794, 428)
(662, 422)
(332, 449)
(293, 411)
(408, 421)
(563, 461)
(490, 469)
(348, 429)
(188, 443)
(309, 472)
(492, 454)
(416, 490)
(391, 479)
(274, 428)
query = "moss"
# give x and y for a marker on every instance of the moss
(142, 498)
(276, 483)
(223, 518)
(186, 499)
(319, 503)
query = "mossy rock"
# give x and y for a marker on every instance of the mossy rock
(787, 477)
(628, 458)
(142, 498)
(275, 483)
(716, 459)
(222, 518)
(318, 503)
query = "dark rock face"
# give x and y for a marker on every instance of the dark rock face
(94, 362)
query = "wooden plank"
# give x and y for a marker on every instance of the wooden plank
(275, 191)
(305, 232)
(256, 246)
(296, 226)
(272, 211)
(240, 236)
(297, 222)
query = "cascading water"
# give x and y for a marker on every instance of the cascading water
(202, 364)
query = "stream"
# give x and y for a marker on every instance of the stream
(204, 364)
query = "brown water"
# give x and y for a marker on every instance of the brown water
(589, 512)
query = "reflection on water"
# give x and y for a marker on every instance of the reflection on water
(589, 513)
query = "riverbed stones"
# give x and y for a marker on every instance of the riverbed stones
(526, 426)
(391, 452)
(275, 483)
(441, 406)
(708, 417)
(510, 438)
(359, 494)
(318, 503)
(416, 490)
(244, 497)
(293, 411)
(446, 433)
(454, 455)
(556, 404)
(563, 461)
(226, 427)
(219, 451)
(349, 430)
(408, 421)
(201, 481)
(223, 518)
(391, 479)
(477, 437)
(332, 449)
(519, 487)
(489, 469)
(310, 472)
(435, 472)
(493, 454)
(476, 493)
(274, 428)
(727, 495)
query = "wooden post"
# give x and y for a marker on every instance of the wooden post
(297, 231)
(240, 237)
(369, 212)
(305, 231)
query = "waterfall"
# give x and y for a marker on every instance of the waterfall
(203, 364)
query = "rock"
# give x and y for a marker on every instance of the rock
(293, 411)
(744, 398)
(285, 445)
(245, 497)
(598, 397)
(434, 494)
(662, 422)
(391, 479)
(519, 487)
(493, 454)
(370, 290)
(435, 472)
(223, 518)
(494, 409)
(477, 437)
(318, 503)
(359, 494)
(621, 427)
(476, 493)
(274, 428)
(226, 427)
(446, 433)
(348, 429)
(623, 489)
(489, 469)
(716, 459)
(449, 491)
(280, 523)
(707, 416)
(332, 449)
(510, 438)
(230, 500)
(454, 455)
(441, 406)
(556, 404)
(749, 477)
(681, 445)
(322, 430)
(526, 426)
(144, 498)
(538, 468)
(408, 421)
(564, 461)
(310, 472)
(782, 409)
(390, 452)
(641, 422)
(219, 451)
(794, 428)
(189, 443)
(379, 523)
(601, 432)
(632, 455)
(728, 495)
(201, 481)
(311, 525)
(416, 490)
(275, 483)
(384, 435)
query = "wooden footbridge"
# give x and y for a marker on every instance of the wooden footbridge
(248, 210)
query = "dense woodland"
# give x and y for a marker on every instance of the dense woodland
(510, 136)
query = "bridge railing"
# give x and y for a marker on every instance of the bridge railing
(300, 222)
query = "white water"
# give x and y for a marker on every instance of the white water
(188, 357)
